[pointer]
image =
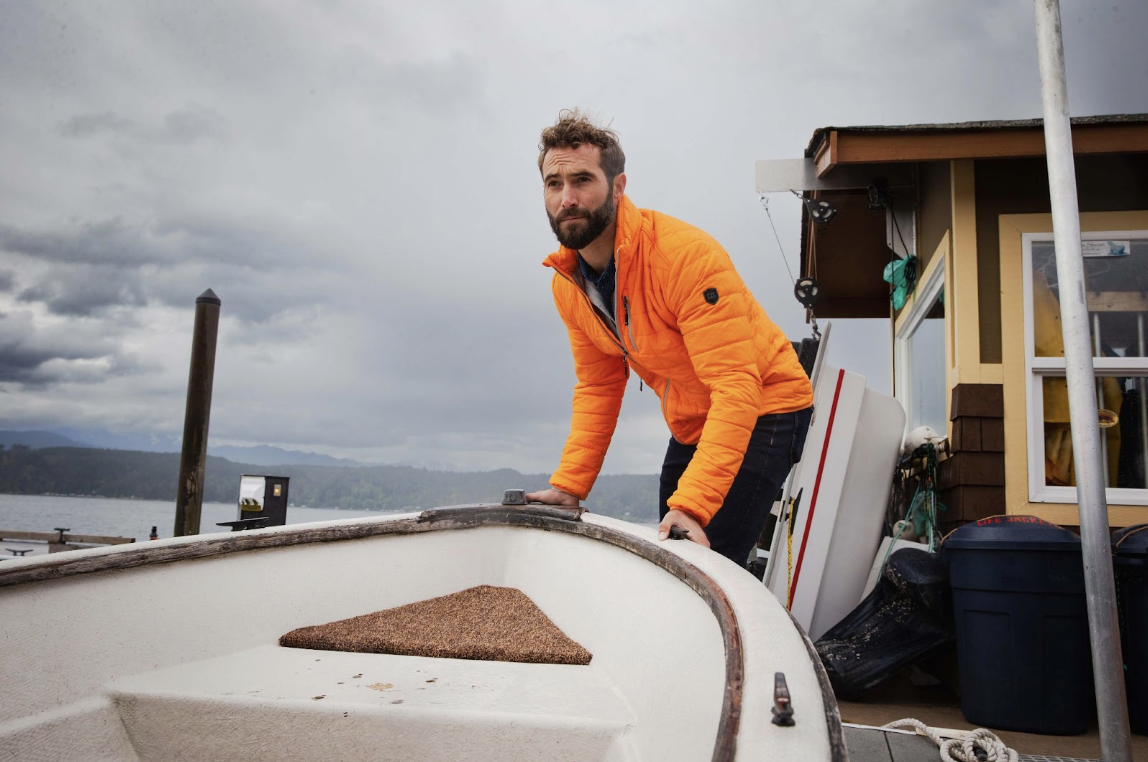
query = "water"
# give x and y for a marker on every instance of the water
(130, 518)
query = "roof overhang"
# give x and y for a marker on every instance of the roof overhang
(833, 147)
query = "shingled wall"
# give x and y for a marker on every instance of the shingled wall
(970, 481)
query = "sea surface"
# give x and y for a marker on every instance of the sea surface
(130, 518)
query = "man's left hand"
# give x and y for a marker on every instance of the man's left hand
(692, 528)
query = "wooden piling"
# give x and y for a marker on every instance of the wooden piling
(189, 495)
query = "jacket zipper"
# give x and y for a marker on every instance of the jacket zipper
(629, 328)
(613, 338)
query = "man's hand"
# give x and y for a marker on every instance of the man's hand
(687, 522)
(552, 497)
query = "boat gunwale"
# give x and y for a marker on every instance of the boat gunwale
(547, 518)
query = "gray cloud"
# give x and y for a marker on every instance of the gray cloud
(357, 184)
(112, 242)
(42, 357)
(438, 88)
(84, 291)
(109, 264)
(190, 124)
(88, 125)
(181, 127)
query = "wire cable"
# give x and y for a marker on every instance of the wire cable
(765, 205)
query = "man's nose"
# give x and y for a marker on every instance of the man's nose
(568, 197)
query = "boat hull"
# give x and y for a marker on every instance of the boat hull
(168, 651)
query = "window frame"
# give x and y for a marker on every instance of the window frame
(924, 298)
(1039, 368)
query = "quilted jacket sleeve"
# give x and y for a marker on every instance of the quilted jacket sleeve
(718, 334)
(597, 401)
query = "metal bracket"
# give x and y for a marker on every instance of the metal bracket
(782, 705)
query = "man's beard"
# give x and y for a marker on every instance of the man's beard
(578, 235)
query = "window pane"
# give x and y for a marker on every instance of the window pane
(927, 370)
(1124, 439)
(1116, 277)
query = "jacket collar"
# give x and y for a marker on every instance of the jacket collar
(626, 232)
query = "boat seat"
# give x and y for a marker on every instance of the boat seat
(272, 703)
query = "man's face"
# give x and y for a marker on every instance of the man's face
(579, 200)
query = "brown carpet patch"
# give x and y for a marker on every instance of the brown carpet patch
(485, 623)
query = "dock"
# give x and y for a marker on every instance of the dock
(940, 710)
(16, 544)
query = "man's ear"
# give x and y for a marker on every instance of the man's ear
(619, 184)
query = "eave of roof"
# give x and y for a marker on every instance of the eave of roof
(820, 134)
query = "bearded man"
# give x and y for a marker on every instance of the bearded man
(642, 292)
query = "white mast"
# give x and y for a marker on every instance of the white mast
(1111, 702)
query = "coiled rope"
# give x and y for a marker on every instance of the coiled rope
(962, 749)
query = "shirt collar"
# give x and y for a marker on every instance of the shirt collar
(592, 277)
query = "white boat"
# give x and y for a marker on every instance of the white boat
(169, 650)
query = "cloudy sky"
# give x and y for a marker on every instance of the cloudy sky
(357, 182)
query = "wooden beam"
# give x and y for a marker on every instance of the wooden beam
(963, 289)
(843, 147)
(826, 156)
(1117, 301)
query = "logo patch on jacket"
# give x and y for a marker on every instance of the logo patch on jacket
(711, 295)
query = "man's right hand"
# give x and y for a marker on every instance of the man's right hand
(552, 497)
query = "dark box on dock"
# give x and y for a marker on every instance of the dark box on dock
(264, 497)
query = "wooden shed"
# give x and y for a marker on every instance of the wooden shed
(977, 351)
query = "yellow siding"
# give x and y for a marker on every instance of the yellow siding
(962, 289)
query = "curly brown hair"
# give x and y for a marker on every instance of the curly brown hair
(574, 128)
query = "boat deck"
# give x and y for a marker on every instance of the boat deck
(425, 708)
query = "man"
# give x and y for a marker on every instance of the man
(640, 291)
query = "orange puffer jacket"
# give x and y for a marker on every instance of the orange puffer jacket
(689, 327)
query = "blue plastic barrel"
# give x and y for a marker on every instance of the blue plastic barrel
(1130, 564)
(1023, 655)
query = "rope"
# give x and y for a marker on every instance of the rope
(765, 205)
(962, 749)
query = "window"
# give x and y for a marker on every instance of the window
(1116, 281)
(921, 359)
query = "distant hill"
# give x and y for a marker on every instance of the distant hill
(263, 455)
(37, 439)
(153, 476)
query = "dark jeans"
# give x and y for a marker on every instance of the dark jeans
(774, 447)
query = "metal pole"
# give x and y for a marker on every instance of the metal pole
(1111, 705)
(1100, 401)
(1142, 387)
(189, 495)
